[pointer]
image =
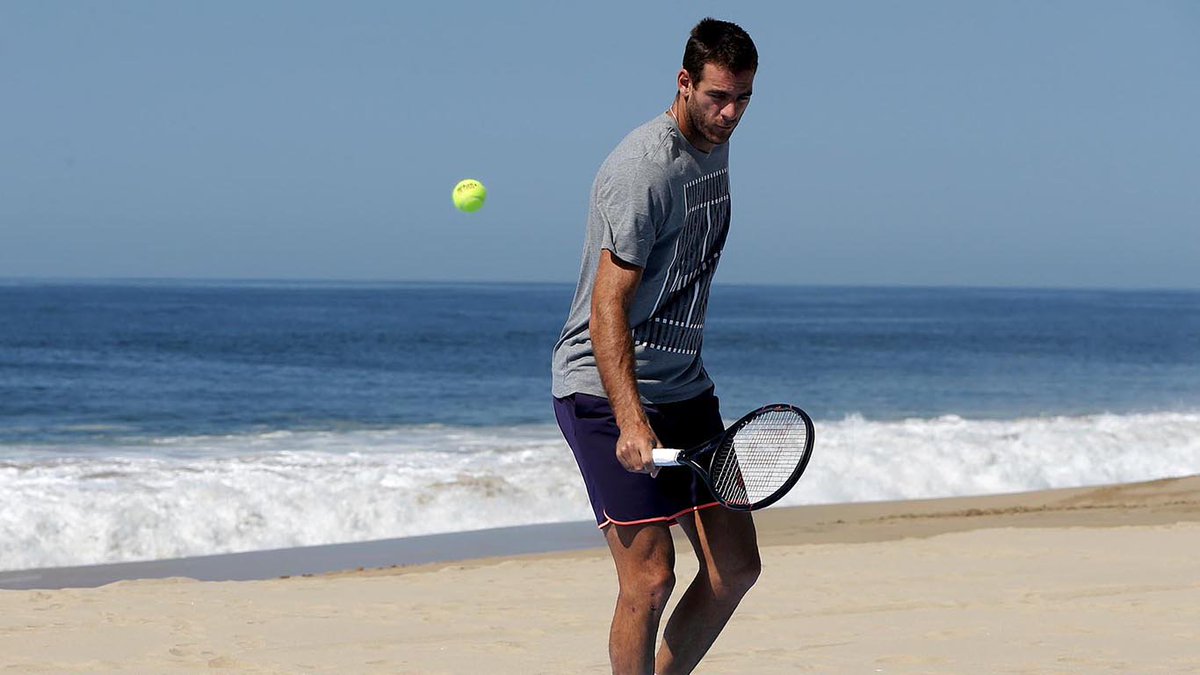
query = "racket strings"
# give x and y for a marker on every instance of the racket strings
(760, 457)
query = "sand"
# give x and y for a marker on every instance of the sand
(1087, 580)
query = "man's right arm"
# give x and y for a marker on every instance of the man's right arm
(612, 342)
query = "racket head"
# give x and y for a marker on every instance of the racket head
(758, 459)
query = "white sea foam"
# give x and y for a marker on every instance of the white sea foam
(201, 495)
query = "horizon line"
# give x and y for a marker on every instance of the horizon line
(343, 281)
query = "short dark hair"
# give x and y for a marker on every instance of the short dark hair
(720, 43)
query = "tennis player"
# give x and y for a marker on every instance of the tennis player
(628, 376)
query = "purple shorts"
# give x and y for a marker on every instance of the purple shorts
(626, 498)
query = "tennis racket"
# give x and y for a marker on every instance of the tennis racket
(755, 461)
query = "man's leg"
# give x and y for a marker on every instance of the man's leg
(645, 560)
(726, 546)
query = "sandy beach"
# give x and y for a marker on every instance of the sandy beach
(1101, 579)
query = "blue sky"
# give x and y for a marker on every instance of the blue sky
(928, 143)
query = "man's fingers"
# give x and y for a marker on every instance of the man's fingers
(636, 453)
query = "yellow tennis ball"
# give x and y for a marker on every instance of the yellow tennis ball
(469, 195)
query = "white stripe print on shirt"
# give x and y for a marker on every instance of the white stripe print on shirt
(677, 323)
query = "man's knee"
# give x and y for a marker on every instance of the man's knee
(651, 584)
(645, 559)
(654, 580)
(735, 578)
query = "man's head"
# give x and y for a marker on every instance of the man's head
(715, 82)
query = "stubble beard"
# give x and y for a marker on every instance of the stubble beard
(709, 132)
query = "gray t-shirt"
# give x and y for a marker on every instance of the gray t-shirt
(662, 205)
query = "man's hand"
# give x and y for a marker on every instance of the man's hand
(634, 448)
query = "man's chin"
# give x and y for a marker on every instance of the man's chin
(718, 134)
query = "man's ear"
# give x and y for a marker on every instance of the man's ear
(684, 83)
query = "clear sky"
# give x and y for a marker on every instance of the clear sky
(931, 143)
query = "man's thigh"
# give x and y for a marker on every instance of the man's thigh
(645, 550)
(724, 540)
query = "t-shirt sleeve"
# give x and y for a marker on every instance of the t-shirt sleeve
(632, 201)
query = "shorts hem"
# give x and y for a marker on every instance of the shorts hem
(670, 520)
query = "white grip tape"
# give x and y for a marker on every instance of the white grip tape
(665, 457)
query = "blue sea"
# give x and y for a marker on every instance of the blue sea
(155, 419)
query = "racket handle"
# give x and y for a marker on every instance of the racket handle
(665, 457)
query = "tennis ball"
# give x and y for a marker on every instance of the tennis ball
(469, 195)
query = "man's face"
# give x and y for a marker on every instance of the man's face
(716, 103)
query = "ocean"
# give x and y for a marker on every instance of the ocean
(160, 419)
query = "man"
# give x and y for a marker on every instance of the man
(628, 376)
